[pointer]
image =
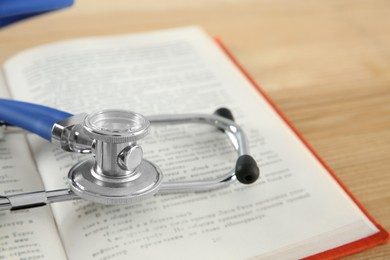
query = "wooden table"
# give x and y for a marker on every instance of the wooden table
(325, 63)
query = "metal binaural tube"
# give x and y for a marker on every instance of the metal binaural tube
(232, 130)
(35, 199)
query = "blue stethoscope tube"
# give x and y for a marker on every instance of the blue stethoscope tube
(34, 118)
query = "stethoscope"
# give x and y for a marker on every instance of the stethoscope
(117, 173)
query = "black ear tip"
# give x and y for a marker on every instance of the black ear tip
(224, 112)
(247, 171)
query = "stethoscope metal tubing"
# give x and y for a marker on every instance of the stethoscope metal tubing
(235, 135)
(232, 130)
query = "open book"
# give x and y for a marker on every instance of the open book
(297, 209)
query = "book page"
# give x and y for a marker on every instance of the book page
(296, 208)
(3, 87)
(30, 233)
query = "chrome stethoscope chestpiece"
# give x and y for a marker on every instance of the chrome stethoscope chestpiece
(117, 174)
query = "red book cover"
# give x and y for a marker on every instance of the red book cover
(360, 245)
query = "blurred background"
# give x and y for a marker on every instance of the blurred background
(325, 63)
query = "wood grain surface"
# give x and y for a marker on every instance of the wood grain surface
(325, 63)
